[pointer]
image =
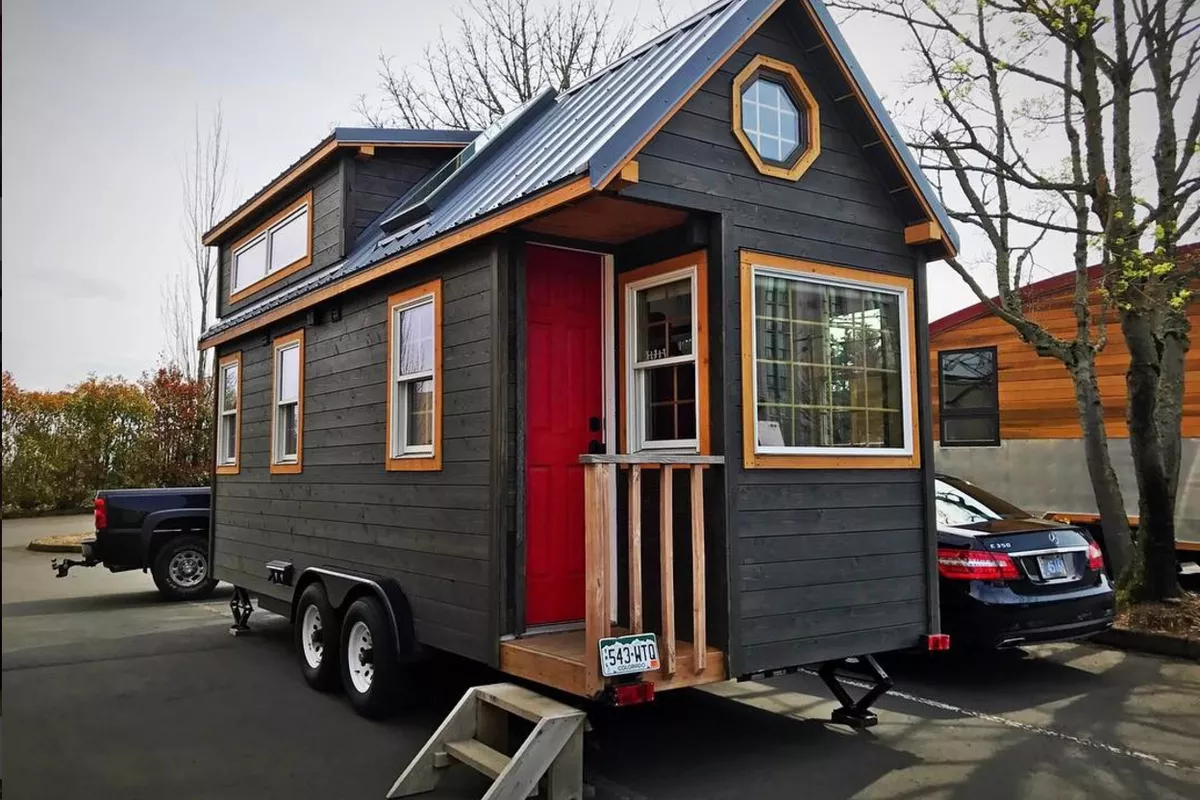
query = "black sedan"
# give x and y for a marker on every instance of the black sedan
(1008, 578)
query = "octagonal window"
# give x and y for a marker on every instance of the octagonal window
(770, 119)
(776, 118)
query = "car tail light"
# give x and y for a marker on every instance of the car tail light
(1095, 557)
(101, 511)
(975, 565)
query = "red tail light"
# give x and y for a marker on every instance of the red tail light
(101, 510)
(1095, 557)
(975, 565)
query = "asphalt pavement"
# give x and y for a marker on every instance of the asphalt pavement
(112, 693)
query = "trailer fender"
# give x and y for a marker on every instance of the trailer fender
(344, 587)
(152, 523)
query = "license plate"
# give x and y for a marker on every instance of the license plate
(627, 655)
(1052, 566)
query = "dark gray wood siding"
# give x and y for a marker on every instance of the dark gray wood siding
(329, 244)
(373, 184)
(822, 563)
(431, 531)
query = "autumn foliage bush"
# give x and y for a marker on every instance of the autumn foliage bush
(104, 433)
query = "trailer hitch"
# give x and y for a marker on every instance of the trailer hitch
(856, 714)
(61, 566)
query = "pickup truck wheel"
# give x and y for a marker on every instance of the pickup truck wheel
(316, 635)
(371, 671)
(181, 570)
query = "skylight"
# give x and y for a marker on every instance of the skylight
(424, 197)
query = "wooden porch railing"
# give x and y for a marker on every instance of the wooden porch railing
(600, 473)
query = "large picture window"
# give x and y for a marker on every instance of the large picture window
(970, 402)
(414, 378)
(664, 356)
(229, 407)
(832, 370)
(287, 414)
(277, 248)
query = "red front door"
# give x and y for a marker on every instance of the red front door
(564, 390)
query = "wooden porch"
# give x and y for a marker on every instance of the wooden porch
(570, 660)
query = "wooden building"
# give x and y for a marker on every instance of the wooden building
(1006, 418)
(643, 356)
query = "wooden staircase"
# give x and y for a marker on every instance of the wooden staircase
(475, 734)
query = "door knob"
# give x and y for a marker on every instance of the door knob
(595, 424)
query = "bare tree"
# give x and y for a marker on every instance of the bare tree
(204, 175)
(1028, 131)
(499, 54)
(178, 318)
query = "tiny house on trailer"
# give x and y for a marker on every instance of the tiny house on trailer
(624, 394)
(1006, 418)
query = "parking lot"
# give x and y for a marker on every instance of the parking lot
(110, 693)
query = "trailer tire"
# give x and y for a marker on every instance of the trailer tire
(181, 569)
(371, 671)
(316, 636)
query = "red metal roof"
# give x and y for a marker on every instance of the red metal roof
(1028, 293)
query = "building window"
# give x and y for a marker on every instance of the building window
(776, 118)
(414, 378)
(665, 357)
(276, 249)
(970, 399)
(287, 423)
(831, 378)
(229, 407)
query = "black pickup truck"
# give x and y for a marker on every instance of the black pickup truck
(164, 531)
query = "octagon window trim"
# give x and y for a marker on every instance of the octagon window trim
(789, 78)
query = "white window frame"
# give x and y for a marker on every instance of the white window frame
(224, 414)
(905, 362)
(277, 437)
(399, 447)
(635, 371)
(269, 234)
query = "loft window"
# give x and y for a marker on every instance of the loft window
(276, 249)
(414, 385)
(832, 371)
(776, 118)
(969, 398)
(229, 404)
(287, 422)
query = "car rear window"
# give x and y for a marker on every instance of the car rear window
(964, 503)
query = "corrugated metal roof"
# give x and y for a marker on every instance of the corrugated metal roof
(591, 129)
(595, 115)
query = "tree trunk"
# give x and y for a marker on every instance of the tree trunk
(1156, 515)
(1113, 519)
(1169, 411)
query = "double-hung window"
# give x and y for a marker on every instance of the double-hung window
(281, 246)
(970, 403)
(830, 381)
(229, 405)
(663, 311)
(287, 411)
(414, 378)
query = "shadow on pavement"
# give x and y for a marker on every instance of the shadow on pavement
(103, 602)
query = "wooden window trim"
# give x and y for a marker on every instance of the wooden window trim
(698, 260)
(236, 466)
(799, 89)
(284, 271)
(415, 463)
(297, 466)
(754, 460)
(943, 412)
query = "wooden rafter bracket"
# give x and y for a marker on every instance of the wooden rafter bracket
(928, 232)
(627, 176)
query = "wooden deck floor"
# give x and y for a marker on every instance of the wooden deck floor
(557, 660)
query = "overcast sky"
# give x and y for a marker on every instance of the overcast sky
(99, 101)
